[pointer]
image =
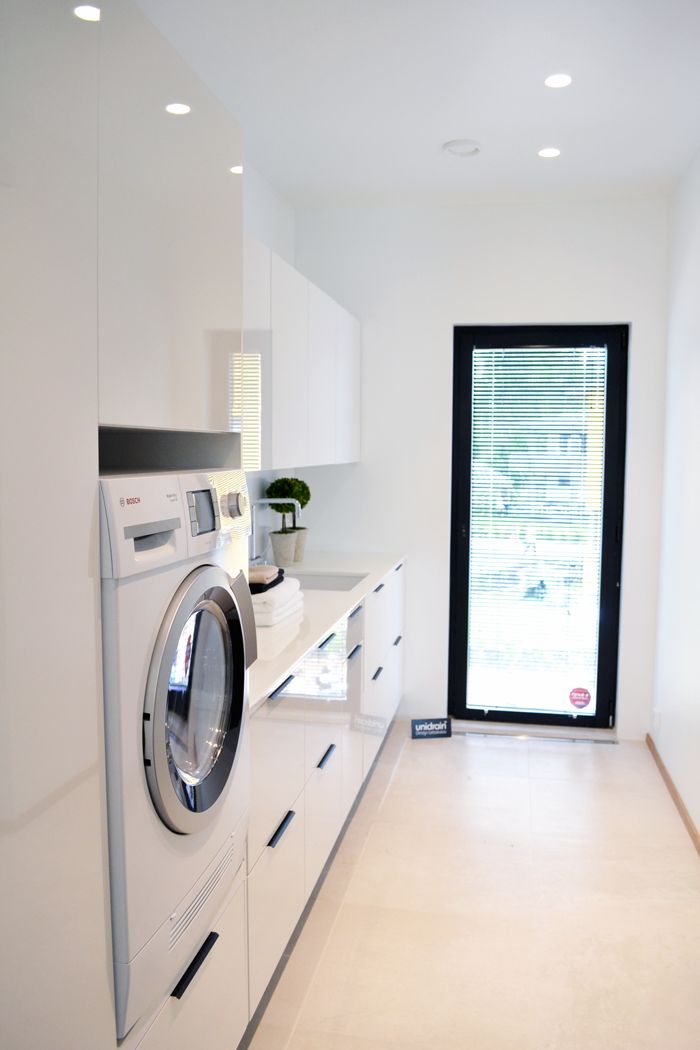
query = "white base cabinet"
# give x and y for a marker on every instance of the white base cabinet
(313, 743)
(214, 1007)
(276, 898)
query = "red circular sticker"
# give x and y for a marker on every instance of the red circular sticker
(580, 697)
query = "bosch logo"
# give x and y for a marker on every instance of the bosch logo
(131, 500)
(122, 501)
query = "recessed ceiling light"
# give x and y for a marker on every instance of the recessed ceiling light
(237, 169)
(87, 13)
(549, 151)
(178, 109)
(462, 147)
(558, 80)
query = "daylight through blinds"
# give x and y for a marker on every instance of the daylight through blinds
(536, 510)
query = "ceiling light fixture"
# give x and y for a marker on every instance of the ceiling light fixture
(548, 152)
(461, 147)
(558, 80)
(87, 13)
(237, 169)
(178, 109)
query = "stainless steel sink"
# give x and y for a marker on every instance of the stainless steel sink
(320, 581)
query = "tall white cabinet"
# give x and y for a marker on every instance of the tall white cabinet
(300, 373)
(169, 235)
(55, 972)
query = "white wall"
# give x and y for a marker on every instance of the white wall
(411, 274)
(55, 964)
(676, 721)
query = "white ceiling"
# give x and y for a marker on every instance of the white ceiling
(352, 100)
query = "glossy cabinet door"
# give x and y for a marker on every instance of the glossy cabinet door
(383, 660)
(290, 345)
(276, 897)
(252, 395)
(348, 392)
(169, 235)
(214, 1006)
(353, 761)
(324, 808)
(324, 321)
(277, 769)
(299, 372)
(56, 986)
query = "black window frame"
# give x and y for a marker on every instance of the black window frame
(467, 338)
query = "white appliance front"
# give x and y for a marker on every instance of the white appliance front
(178, 638)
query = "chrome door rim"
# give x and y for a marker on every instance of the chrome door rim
(195, 592)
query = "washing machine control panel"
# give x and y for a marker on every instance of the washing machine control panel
(236, 504)
(218, 508)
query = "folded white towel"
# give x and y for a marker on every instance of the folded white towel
(276, 596)
(273, 639)
(271, 617)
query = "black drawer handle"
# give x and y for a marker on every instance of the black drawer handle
(398, 567)
(187, 977)
(326, 641)
(355, 612)
(327, 754)
(278, 690)
(377, 673)
(378, 589)
(286, 821)
(397, 640)
(355, 652)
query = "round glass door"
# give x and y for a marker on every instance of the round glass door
(194, 701)
(199, 696)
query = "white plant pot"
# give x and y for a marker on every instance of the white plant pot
(283, 547)
(301, 534)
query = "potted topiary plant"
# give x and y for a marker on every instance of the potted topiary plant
(288, 543)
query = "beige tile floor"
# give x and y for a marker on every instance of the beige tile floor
(501, 894)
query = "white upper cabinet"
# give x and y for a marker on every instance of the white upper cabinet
(348, 389)
(297, 384)
(169, 237)
(324, 322)
(289, 295)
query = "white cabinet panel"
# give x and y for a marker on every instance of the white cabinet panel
(347, 389)
(383, 660)
(352, 741)
(374, 716)
(276, 896)
(290, 394)
(324, 317)
(215, 1004)
(300, 370)
(169, 237)
(277, 768)
(324, 808)
(253, 377)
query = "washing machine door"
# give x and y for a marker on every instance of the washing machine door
(196, 697)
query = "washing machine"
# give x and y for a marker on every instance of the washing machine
(178, 639)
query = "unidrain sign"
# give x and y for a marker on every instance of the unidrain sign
(428, 727)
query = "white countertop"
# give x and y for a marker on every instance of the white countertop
(281, 647)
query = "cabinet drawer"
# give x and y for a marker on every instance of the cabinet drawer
(355, 628)
(323, 811)
(353, 768)
(215, 1002)
(375, 704)
(276, 899)
(277, 768)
